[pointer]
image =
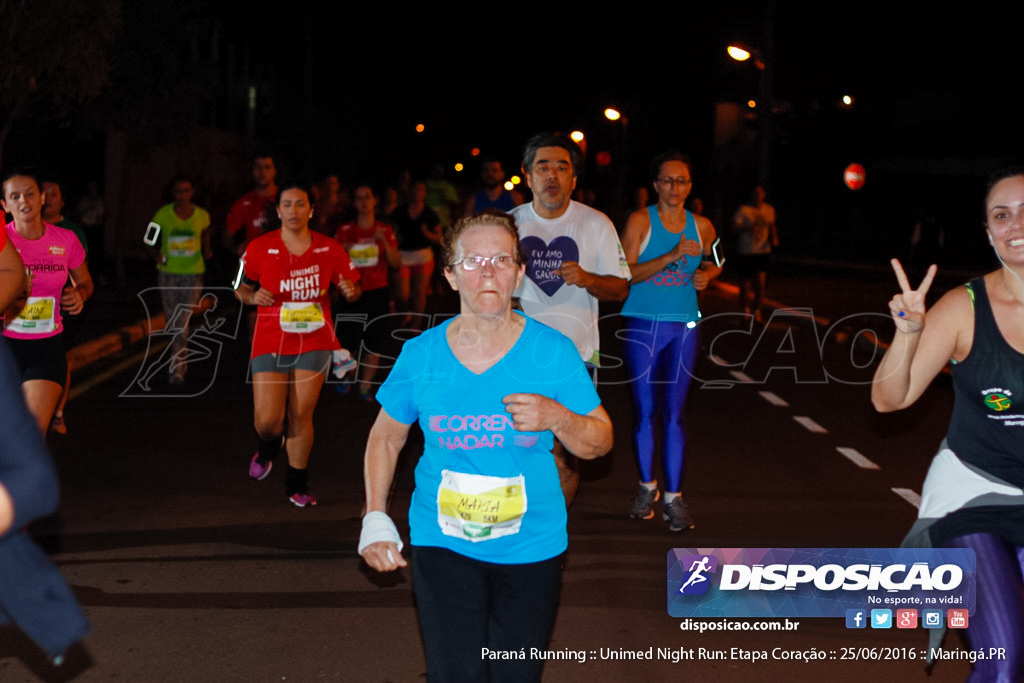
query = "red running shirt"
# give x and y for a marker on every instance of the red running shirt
(367, 253)
(249, 214)
(300, 319)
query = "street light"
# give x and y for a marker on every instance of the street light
(738, 53)
(742, 53)
(765, 103)
(617, 117)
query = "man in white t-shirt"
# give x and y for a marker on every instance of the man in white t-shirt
(573, 260)
(756, 236)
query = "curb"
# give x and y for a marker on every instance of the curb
(93, 350)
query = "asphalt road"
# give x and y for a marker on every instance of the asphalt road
(189, 571)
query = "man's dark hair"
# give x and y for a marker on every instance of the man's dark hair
(552, 140)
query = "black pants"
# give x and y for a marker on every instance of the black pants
(466, 605)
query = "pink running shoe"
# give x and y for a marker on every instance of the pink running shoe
(257, 471)
(303, 500)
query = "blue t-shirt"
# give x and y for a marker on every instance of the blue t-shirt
(466, 430)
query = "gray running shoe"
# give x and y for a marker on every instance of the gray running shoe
(677, 515)
(643, 506)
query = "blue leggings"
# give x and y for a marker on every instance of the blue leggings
(998, 621)
(659, 358)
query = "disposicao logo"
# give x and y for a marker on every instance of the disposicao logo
(696, 580)
(817, 582)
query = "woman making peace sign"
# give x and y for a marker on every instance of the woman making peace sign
(973, 496)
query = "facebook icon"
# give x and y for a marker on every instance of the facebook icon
(856, 618)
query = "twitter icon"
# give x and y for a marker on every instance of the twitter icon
(881, 618)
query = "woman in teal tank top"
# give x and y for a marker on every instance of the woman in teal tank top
(666, 247)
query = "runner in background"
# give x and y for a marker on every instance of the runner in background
(573, 261)
(53, 212)
(373, 248)
(418, 229)
(668, 249)
(287, 274)
(249, 216)
(180, 264)
(60, 282)
(756, 236)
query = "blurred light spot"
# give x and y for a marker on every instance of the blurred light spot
(738, 53)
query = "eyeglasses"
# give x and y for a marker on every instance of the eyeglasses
(499, 262)
(681, 182)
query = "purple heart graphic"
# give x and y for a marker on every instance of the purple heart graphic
(543, 260)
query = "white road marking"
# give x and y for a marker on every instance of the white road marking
(741, 377)
(854, 456)
(810, 425)
(81, 387)
(908, 495)
(774, 399)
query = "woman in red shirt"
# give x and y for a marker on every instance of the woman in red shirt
(287, 273)
(373, 248)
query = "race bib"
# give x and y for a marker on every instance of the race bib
(301, 317)
(364, 254)
(475, 507)
(181, 245)
(36, 317)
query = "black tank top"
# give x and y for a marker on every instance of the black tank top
(987, 428)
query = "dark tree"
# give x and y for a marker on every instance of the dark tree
(54, 55)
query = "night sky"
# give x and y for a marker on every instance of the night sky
(937, 95)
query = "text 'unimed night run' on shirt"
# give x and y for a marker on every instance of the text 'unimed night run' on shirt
(304, 284)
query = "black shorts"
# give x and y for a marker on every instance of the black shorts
(43, 358)
(71, 324)
(375, 332)
(749, 265)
